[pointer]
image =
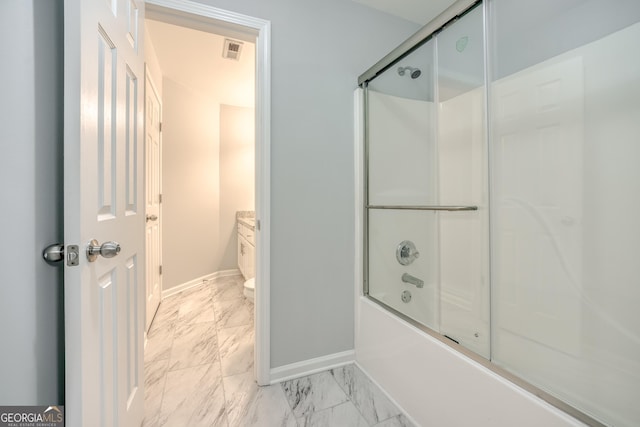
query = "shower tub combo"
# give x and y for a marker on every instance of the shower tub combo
(499, 192)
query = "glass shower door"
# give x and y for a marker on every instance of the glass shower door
(427, 254)
(566, 195)
(562, 149)
(462, 178)
(402, 168)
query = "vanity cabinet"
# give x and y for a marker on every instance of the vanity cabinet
(246, 248)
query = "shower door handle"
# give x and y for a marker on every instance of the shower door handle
(407, 278)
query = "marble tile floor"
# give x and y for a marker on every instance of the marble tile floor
(199, 372)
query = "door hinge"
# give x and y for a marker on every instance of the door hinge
(159, 198)
(160, 127)
(160, 269)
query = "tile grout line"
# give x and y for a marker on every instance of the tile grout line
(166, 372)
(349, 397)
(219, 359)
(173, 335)
(164, 383)
(286, 400)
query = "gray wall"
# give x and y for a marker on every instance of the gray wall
(208, 175)
(527, 32)
(190, 185)
(319, 49)
(31, 356)
(208, 171)
(237, 176)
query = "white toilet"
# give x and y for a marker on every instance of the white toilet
(250, 288)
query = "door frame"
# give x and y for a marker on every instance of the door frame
(189, 11)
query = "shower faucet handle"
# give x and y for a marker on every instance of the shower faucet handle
(406, 252)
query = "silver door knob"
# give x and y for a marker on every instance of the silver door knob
(152, 217)
(53, 253)
(107, 250)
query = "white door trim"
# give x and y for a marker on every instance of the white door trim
(263, 165)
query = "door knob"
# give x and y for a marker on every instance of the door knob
(53, 253)
(56, 252)
(107, 250)
(152, 217)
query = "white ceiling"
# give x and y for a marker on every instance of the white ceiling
(418, 11)
(194, 59)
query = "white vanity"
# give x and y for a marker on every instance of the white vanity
(246, 245)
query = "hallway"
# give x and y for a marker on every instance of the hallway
(199, 372)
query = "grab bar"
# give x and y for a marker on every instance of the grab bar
(427, 208)
(407, 278)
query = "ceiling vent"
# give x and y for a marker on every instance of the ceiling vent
(232, 49)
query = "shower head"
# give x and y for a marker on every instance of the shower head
(413, 72)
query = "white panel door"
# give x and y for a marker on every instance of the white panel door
(103, 200)
(153, 116)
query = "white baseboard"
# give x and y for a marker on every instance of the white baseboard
(198, 281)
(311, 366)
(226, 273)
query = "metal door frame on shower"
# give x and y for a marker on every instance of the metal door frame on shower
(195, 14)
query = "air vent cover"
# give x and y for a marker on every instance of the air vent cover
(232, 49)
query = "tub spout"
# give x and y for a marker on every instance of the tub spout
(407, 278)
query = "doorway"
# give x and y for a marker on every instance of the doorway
(242, 28)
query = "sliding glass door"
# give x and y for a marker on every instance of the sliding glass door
(565, 147)
(427, 186)
(503, 191)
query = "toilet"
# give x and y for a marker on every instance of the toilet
(250, 288)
